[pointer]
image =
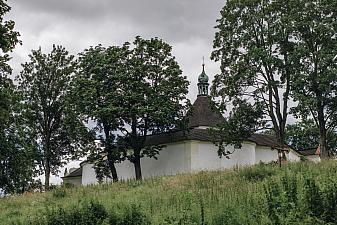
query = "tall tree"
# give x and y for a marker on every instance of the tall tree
(131, 93)
(315, 83)
(152, 97)
(45, 84)
(96, 89)
(254, 44)
(17, 166)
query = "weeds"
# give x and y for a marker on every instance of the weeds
(301, 193)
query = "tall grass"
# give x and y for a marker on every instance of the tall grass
(301, 193)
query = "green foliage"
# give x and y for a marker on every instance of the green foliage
(57, 129)
(87, 213)
(132, 215)
(315, 79)
(305, 135)
(59, 193)
(96, 89)
(257, 173)
(300, 193)
(254, 45)
(136, 91)
(16, 153)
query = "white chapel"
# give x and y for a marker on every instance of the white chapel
(192, 150)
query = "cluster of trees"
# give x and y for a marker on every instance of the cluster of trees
(278, 58)
(273, 54)
(125, 92)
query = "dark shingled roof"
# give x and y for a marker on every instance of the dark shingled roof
(204, 114)
(75, 173)
(307, 152)
(204, 135)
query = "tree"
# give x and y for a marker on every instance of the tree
(315, 83)
(17, 166)
(131, 93)
(59, 132)
(152, 97)
(254, 44)
(305, 135)
(96, 88)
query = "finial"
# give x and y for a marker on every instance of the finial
(203, 63)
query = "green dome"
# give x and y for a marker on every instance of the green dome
(203, 78)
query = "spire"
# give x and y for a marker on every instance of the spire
(203, 81)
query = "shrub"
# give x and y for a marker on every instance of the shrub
(88, 213)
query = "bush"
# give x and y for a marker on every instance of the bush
(131, 215)
(92, 213)
(88, 213)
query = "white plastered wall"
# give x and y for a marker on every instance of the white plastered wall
(265, 154)
(205, 156)
(293, 156)
(88, 174)
(175, 158)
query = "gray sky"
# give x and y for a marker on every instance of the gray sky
(187, 25)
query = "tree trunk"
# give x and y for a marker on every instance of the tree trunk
(138, 169)
(47, 175)
(111, 158)
(322, 131)
(324, 153)
(112, 169)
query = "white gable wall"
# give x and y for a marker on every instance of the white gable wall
(293, 157)
(88, 174)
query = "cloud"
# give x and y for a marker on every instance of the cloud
(176, 20)
(77, 24)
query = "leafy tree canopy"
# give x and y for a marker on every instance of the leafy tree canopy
(136, 90)
(17, 166)
(315, 80)
(254, 44)
(45, 84)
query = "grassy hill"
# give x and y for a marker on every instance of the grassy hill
(301, 193)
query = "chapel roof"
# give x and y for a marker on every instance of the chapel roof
(204, 113)
(308, 151)
(204, 135)
(76, 173)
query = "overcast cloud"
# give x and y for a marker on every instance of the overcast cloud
(187, 25)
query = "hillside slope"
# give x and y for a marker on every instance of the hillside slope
(301, 193)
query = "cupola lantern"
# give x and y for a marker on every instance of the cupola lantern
(203, 82)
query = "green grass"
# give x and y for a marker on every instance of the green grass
(300, 193)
